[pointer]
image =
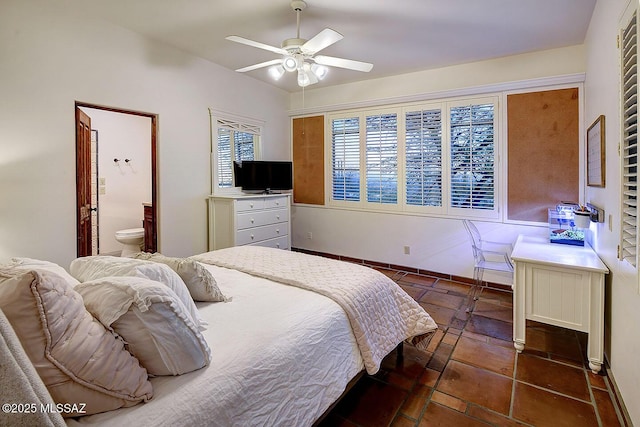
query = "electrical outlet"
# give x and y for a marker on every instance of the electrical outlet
(407, 250)
(309, 235)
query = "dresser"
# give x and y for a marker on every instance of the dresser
(560, 285)
(263, 220)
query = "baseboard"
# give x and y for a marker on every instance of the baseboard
(405, 269)
(620, 407)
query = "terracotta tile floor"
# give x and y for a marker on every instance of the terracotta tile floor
(472, 375)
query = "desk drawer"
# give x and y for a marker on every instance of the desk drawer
(257, 234)
(259, 218)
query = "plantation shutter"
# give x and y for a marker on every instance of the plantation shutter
(225, 169)
(472, 157)
(243, 144)
(629, 56)
(345, 159)
(423, 158)
(239, 139)
(382, 158)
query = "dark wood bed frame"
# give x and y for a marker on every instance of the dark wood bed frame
(399, 357)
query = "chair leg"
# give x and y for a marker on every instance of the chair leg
(476, 289)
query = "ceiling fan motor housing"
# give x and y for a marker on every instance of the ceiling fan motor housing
(298, 5)
(293, 45)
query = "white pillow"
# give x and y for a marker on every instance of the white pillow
(202, 286)
(96, 267)
(151, 319)
(36, 264)
(78, 359)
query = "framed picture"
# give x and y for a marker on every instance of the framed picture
(595, 153)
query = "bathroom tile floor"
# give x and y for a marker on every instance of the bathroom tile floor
(472, 375)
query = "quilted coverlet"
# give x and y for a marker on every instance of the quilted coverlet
(381, 314)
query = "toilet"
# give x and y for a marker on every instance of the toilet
(131, 239)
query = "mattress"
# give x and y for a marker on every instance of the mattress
(280, 357)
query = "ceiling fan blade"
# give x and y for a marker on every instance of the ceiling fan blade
(343, 63)
(260, 65)
(259, 45)
(323, 39)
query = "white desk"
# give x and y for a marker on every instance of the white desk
(561, 285)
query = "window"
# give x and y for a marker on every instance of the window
(382, 158)
(235, 140)
(472, 157)
(423, 158)
(629, 146)
(412, 164)
(345, 158)
(243, 144)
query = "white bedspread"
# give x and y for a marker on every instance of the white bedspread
(280, 357)
(381, 314)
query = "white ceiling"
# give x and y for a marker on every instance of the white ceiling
(397, 36)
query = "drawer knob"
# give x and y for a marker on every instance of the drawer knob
(277, 216)
(277, 231)
(252, 220)
(252, 237)
(250, 205)
(278, 245)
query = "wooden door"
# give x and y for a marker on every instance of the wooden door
(83, 182)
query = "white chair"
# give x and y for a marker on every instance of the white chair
(488, 255)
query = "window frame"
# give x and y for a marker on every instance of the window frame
(221, 120)
(445, 210)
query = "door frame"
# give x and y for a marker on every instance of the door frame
(154, 165)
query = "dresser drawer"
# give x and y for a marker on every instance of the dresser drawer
(259, 218)
(278, 243)
(276, 202)
(252, 204)
(256, 234)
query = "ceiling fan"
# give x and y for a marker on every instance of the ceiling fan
(300, 55)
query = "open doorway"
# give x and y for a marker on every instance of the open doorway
(91, 184)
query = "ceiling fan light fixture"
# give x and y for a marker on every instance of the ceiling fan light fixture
(303, 79)
(320, 71)
(290, 63)
(276, 72)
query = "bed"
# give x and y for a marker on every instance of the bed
(282, 348)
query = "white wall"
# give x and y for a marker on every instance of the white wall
(436, 244)
(127, 185)
(556, 62)
(623, 299)
(51, 58)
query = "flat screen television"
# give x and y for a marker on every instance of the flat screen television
(263, 176)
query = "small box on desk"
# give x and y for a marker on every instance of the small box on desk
(562, 227)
